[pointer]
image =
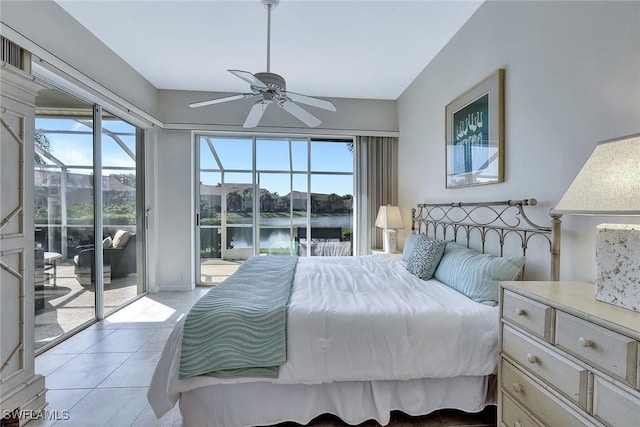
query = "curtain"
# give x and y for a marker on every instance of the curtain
(376, 185)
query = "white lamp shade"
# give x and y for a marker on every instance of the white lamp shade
(389, 217)
(608, 183)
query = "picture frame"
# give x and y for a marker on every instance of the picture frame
(474, 153)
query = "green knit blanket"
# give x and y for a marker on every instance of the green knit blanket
(238, 328)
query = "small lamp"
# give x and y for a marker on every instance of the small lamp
(609, 185)
(389, 219)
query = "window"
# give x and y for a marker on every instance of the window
(267, 195)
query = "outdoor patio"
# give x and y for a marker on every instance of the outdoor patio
(68, 304)
(214, 270)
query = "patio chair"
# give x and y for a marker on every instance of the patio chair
(119, 260)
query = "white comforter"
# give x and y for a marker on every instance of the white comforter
(363, 318)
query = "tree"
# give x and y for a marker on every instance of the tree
(283, 203)
(234, 201)
(334, 202)
(317, 205)
(246, 193)
(42, 142)
(266, 201)
(128, 179)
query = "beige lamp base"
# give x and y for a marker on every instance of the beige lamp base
(389, 241)
(618, 265)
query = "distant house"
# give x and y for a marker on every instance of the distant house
(78, 189)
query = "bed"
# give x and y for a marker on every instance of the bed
(366, 337)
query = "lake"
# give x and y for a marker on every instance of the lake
(276, 232)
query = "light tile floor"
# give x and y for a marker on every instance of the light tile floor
(101, 375)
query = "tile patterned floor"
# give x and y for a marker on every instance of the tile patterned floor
(110, 365)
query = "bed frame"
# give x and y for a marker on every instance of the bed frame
(456, 221)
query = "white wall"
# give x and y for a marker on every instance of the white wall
(174, 250)
(572, 79)
(353, 116)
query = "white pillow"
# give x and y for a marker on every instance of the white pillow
(107, 243)
(120, 239)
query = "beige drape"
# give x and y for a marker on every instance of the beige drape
(377, 184)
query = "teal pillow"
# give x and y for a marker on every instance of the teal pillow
(425, 257)
(409, 244)
(475, 274)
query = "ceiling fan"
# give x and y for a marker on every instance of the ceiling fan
(271, 87)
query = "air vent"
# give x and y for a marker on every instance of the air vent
(11, 52)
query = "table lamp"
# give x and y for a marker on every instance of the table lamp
(609, 185)
(389, 219)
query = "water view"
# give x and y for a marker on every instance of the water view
(276, 232)
(267, 191)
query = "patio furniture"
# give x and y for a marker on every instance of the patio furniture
(118, 260)
(325, 241)
(50, 266)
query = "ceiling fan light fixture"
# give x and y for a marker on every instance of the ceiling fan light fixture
(272, 80)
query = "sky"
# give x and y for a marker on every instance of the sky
(76, 149)
(273, 155)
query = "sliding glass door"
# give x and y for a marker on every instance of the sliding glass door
(122, 226)
(64, 216)
(80, 220)
(301, 190)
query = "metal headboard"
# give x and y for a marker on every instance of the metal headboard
(502, 218)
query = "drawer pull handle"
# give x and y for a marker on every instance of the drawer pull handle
(520, 312)
(518, 388)
(532, 358)
(585, 342)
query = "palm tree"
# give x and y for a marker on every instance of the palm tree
(283, 203)
(42, 142)
(234, 201)
(266, 201)
(245, 193)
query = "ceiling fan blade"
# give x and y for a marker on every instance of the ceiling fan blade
(314, 102)
(255, 114)
(249, 78)
(219, 100)
(300, 113)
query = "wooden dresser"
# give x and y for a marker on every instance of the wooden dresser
(566, 359)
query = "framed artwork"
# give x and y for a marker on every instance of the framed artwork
(475, 134)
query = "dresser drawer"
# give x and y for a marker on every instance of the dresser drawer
(565, 376)
(606, 350)
(530, 315)
(513, 415)
(536, 399)
(614, 406)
